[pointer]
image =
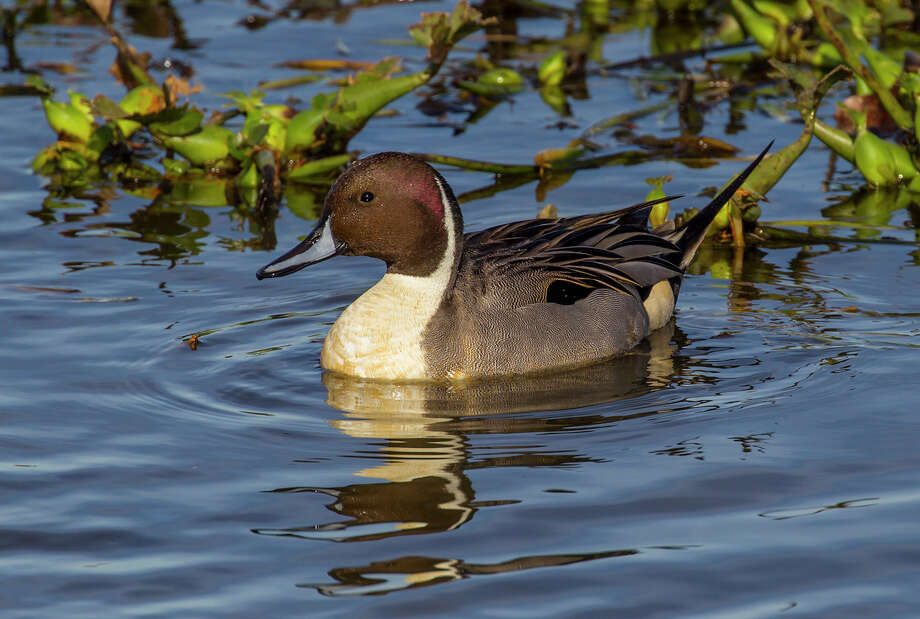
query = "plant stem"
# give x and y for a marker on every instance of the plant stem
(901, 117)
(479, 166)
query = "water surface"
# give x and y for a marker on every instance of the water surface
(756, 457)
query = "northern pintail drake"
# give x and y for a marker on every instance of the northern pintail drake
(523, 297)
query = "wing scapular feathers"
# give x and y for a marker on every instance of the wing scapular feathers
(573, 256)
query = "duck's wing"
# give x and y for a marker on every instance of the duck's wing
(529, 231)
(564, 260)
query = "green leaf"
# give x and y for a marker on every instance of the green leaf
(322, 101)
(439, 32)
(164, 116)
(762, 29)
(207, 146)
(244, 101)
(82, 104)
(36, 82)
(68, 121)
(552, 69)
(319, 166)
(255, 133)
(108, 109)
(175, 167)
(301, 130)
(249, 177)
(101, 138)
(497, 82)
(184, 125)
(146, 99)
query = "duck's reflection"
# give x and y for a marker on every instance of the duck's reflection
(411, 572)
(425, 492)
(422, 432)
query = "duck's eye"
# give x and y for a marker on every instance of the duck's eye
(367, 196)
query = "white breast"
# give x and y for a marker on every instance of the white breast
(380, 334)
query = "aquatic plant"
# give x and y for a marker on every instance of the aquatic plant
(886, 76)
(155, 141)
(100, 138)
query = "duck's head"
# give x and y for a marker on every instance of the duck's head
(390, 206)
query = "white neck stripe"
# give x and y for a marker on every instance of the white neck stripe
(447, 260)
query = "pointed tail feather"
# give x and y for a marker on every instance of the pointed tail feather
(689, 236)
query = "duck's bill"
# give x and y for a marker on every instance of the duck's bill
(318, 246)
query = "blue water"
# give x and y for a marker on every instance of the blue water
(758, 457)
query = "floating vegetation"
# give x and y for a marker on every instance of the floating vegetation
(100, 138)
(886, 78)
(780, 58)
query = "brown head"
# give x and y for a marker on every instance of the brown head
(389, 206)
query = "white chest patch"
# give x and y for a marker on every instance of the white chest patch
(380, 335)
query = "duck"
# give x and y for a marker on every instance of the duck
(530, 296)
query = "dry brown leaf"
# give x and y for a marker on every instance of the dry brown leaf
(871, 106)
(693, 145)
(64, 68)
(178, 86)
(328, 65)
(45, 289)
(102, 8)
(124, 76)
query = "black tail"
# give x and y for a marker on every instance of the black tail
(689, 236)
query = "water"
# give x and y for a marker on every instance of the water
(757, 457)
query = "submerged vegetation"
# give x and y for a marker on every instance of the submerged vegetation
(259, 151)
